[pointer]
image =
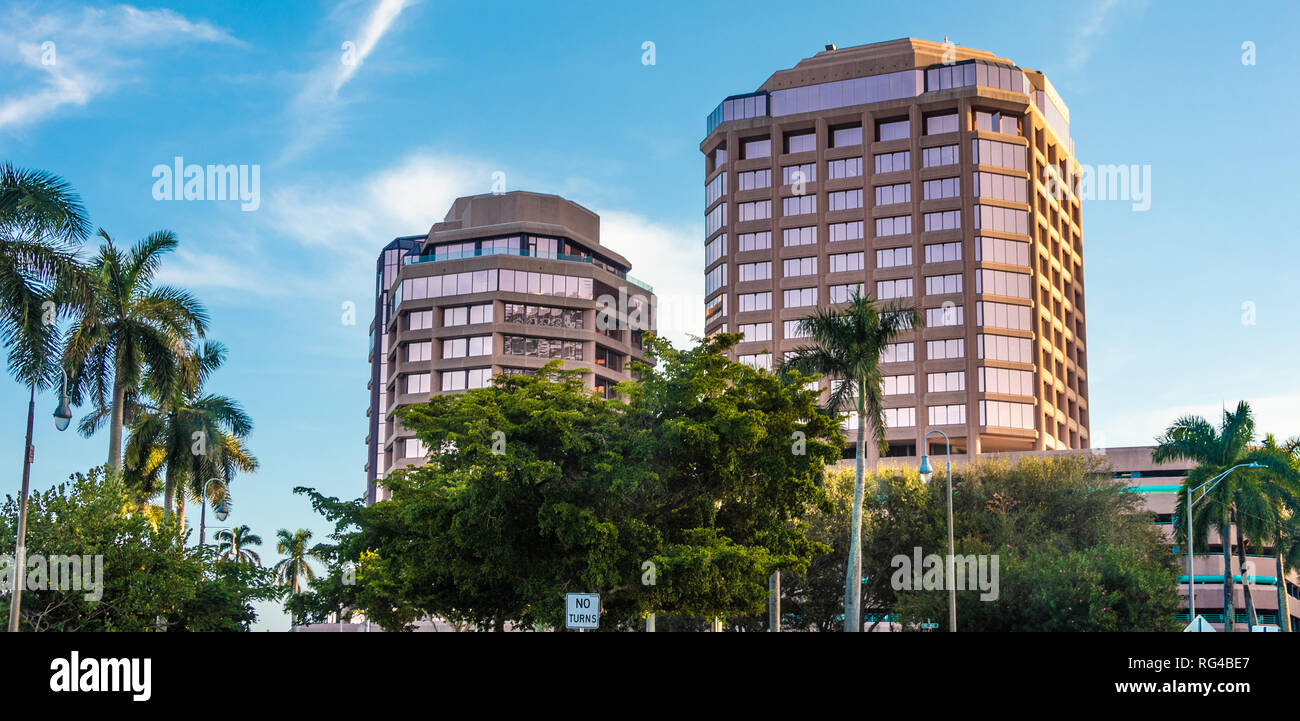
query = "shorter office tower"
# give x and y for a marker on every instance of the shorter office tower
(503, 285)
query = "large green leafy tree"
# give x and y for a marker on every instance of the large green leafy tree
(1076, 549)
(147, 572)
(537, 487)
(133, 328)
(1215, 450)
(846, 345)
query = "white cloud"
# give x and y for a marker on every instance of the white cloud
(314, 111)
(667, 257)
(320, 238)
(1089, 31)
(91, 51)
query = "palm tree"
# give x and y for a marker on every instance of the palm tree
(187, 435)
(1261, 502)
(1286, 556)
(233, 544)
(847, 345)
(133, 328)
(42, 223)
(1215, 450)
(294, 567)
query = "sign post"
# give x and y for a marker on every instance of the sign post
(582, 611)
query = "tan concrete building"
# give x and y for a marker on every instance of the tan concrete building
(503, 285)
(924, 173)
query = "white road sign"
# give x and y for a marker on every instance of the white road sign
(1199, 624)
(582, 610)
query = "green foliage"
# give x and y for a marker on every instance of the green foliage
(1076, 550)
(538, 488)
(42, 223)
(147, 573)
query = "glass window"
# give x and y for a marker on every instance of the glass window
(800, 236)
(844, 137)
(844, 168)
(800, 266)
(755, 241)
(890, 194)
(893, 130)
(802, 142)
(900, 288)
(800, 297)
(851, 230)
(937, 124)
(756, 148)
(845, 199)
(893, 162)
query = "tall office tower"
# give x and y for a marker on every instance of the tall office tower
(920, 172)
(504, 284)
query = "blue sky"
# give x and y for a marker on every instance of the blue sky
(444, 94)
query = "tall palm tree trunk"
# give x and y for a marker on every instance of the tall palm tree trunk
(1229, 589)
(1283, 607)
(853, 577)
(180, 507)
(1245, 579)
(115, 425)
(169, 491)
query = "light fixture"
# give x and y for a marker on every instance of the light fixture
(63, 414)
(222, 511)
(925, 470)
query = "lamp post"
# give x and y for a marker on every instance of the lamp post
(62, 417)
(926, 474)
(1191, 578)
(222, 511)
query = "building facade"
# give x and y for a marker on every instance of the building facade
(918, 172)
(504, 284)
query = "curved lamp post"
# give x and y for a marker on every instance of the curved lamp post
(222, 511)
(1191, 577)
(62, 417)
(926, 474)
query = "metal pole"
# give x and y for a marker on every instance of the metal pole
(1191, 580)
(952, 578)
(774, 602)
(29, 454)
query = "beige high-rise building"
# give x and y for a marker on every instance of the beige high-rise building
(503, 285)
(925, 173)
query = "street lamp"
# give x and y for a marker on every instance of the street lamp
(62, 417)
(1191, 578)
(926, 474)
(222, 510)
(63, 414)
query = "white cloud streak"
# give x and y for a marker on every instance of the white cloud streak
(68, 59)
(314, 111)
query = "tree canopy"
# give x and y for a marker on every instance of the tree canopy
(681, 497)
